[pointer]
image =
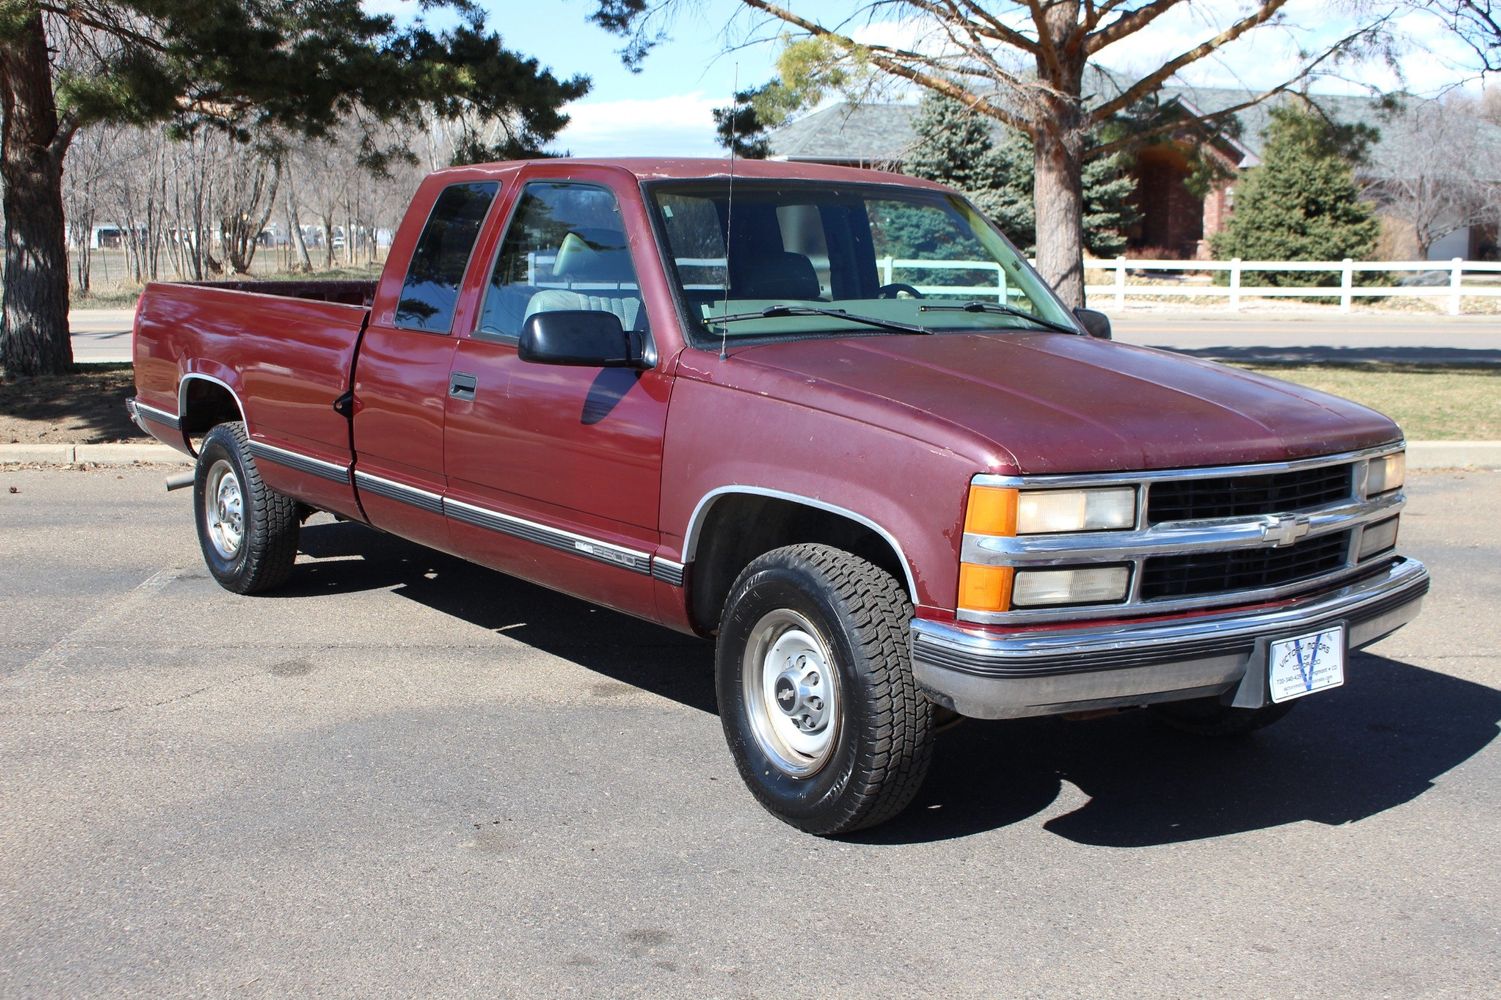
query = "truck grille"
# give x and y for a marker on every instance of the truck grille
(1241, 496)
(1242, 569)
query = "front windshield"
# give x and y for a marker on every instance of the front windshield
(903, 255)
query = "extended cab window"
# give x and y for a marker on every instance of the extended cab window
(431, 288)
(565, 250)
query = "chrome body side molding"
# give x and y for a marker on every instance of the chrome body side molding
(667, 571)
(140, 411)
(299, 462)
(541, 534)
(508, 524)
(400, 492)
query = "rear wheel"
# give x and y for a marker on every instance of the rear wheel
(1209, 717)
(816, 694)
(247, 531)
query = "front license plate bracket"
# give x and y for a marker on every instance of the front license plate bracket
(1255, 688)
(1301, 665)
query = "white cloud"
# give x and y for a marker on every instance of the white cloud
(678, 125)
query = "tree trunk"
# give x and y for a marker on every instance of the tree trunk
(1058, 193)
(34, 311)
(294, 225)
(1058, 182)
(250, 210)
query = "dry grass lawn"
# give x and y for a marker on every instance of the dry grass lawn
(1431, 402)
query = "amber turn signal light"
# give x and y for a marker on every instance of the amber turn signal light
(984, 588)
(991, 511)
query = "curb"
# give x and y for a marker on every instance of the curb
(1454, 454)
(1420, 454)
(91, 454)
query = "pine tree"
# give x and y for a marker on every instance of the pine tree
(742, 127)
(995, 169)
(1302, 203)
(1108, 209)
(248, 68)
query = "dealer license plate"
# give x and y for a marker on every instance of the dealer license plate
(1306, 664)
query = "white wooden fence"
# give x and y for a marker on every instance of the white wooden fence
(1454, 289)
(1453, 285)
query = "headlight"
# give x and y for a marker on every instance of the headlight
(1095, 585)
(1385, 474)
(1378, 537)
(996, 511)
(1003, 512)
(1046, 511)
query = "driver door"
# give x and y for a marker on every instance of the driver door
(554, 473)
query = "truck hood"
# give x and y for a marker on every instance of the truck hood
(1054, 403)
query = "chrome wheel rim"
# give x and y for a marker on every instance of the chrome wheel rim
(224, 509)
(792, 695)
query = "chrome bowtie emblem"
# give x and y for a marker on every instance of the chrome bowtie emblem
(1284, 530)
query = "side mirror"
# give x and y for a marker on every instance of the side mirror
(581, 337)
(1095, 323)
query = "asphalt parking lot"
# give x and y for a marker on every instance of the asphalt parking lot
(410, 776)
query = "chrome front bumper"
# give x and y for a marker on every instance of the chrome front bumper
(989, 675)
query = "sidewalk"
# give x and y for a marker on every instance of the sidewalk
(1420, 454)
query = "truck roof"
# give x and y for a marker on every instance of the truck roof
(695, 168)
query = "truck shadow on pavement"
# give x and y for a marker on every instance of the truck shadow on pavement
(1126, 781)
(1122, 781)
(351, 558)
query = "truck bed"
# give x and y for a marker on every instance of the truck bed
(347, 292)
(283, 350)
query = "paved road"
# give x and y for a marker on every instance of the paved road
(1299, 336)
(104, 335)
(100, 335)
(409, 776)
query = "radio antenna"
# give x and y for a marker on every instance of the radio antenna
(729, 222)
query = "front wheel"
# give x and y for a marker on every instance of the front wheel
(248, 532)
(824, 720)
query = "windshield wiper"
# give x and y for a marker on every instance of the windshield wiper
(996, 307)
(776, 312)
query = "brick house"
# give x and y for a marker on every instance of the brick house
(1174, 221)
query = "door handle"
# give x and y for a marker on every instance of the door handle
(461, 385)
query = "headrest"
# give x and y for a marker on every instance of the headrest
(781, 275)
(594, 255)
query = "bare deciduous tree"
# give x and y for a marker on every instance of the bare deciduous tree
(1023, 64)
(1448, 174)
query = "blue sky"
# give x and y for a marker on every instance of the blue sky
(665, 109)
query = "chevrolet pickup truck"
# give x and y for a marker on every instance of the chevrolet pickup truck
(830, 418)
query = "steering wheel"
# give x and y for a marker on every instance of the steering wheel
(890, 291)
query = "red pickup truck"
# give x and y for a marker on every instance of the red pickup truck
(830, 417)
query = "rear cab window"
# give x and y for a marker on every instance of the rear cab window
(431, 289)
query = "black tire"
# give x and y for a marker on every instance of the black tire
(875, 758)
(1209, 717)
(260, 555)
